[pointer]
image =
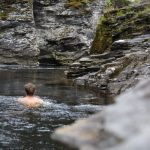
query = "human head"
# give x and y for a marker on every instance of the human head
(30, 89)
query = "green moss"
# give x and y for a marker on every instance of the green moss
(3, 16)
(77, 3)
(103, 38)
(116, 3)
(6, 7)
(121, 23)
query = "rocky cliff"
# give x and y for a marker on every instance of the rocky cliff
(17, 33)
(120, 51)
(119, 59)
(47, 31)
(65, 28)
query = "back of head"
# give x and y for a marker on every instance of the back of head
(30, 89)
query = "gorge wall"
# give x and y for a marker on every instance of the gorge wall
(62, 32)
(18, 43)
(65, 28)
(120, 51)
(119, 59)
(47, 31)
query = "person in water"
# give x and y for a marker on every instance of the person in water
(30, 101)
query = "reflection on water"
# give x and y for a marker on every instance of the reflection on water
(31, 128)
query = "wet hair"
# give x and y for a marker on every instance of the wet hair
(30, 89)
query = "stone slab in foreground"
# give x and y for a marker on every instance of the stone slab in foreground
(124, 125)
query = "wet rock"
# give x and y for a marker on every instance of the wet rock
(75, 64)
(8, 24)
(81, 67)
(126, 60)
(123, 125)
(116, 74)
(62, 28)
(17, 34)
(85, 59)
(127, 44)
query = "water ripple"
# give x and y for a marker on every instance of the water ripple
(20, 126)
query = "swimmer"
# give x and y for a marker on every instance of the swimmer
(30, 101)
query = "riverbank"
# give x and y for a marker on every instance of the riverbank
(120, 52)
(119, 59)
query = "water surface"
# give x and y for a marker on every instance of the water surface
(23, 128)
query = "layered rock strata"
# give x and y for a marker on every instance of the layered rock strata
(17, 33)
(122, 61)
(65, 28)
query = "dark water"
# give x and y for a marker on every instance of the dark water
(29, 129)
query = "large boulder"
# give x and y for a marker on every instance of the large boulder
(121, 126)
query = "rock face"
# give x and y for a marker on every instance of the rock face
(17, 33)
(121, 126)
(65, 28)
(125, 60)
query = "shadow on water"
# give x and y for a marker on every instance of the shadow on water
(31, 128)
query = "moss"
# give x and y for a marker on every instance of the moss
(103, 38)
(77, 3)
(6, 7)
(120, 23)
(116, 3)
(3, 16)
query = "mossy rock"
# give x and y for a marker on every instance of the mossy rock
(103, 37)
(6, 7)
(77, 3)
(120, 24)
(3, 16)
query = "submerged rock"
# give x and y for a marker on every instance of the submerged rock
(121, 126)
